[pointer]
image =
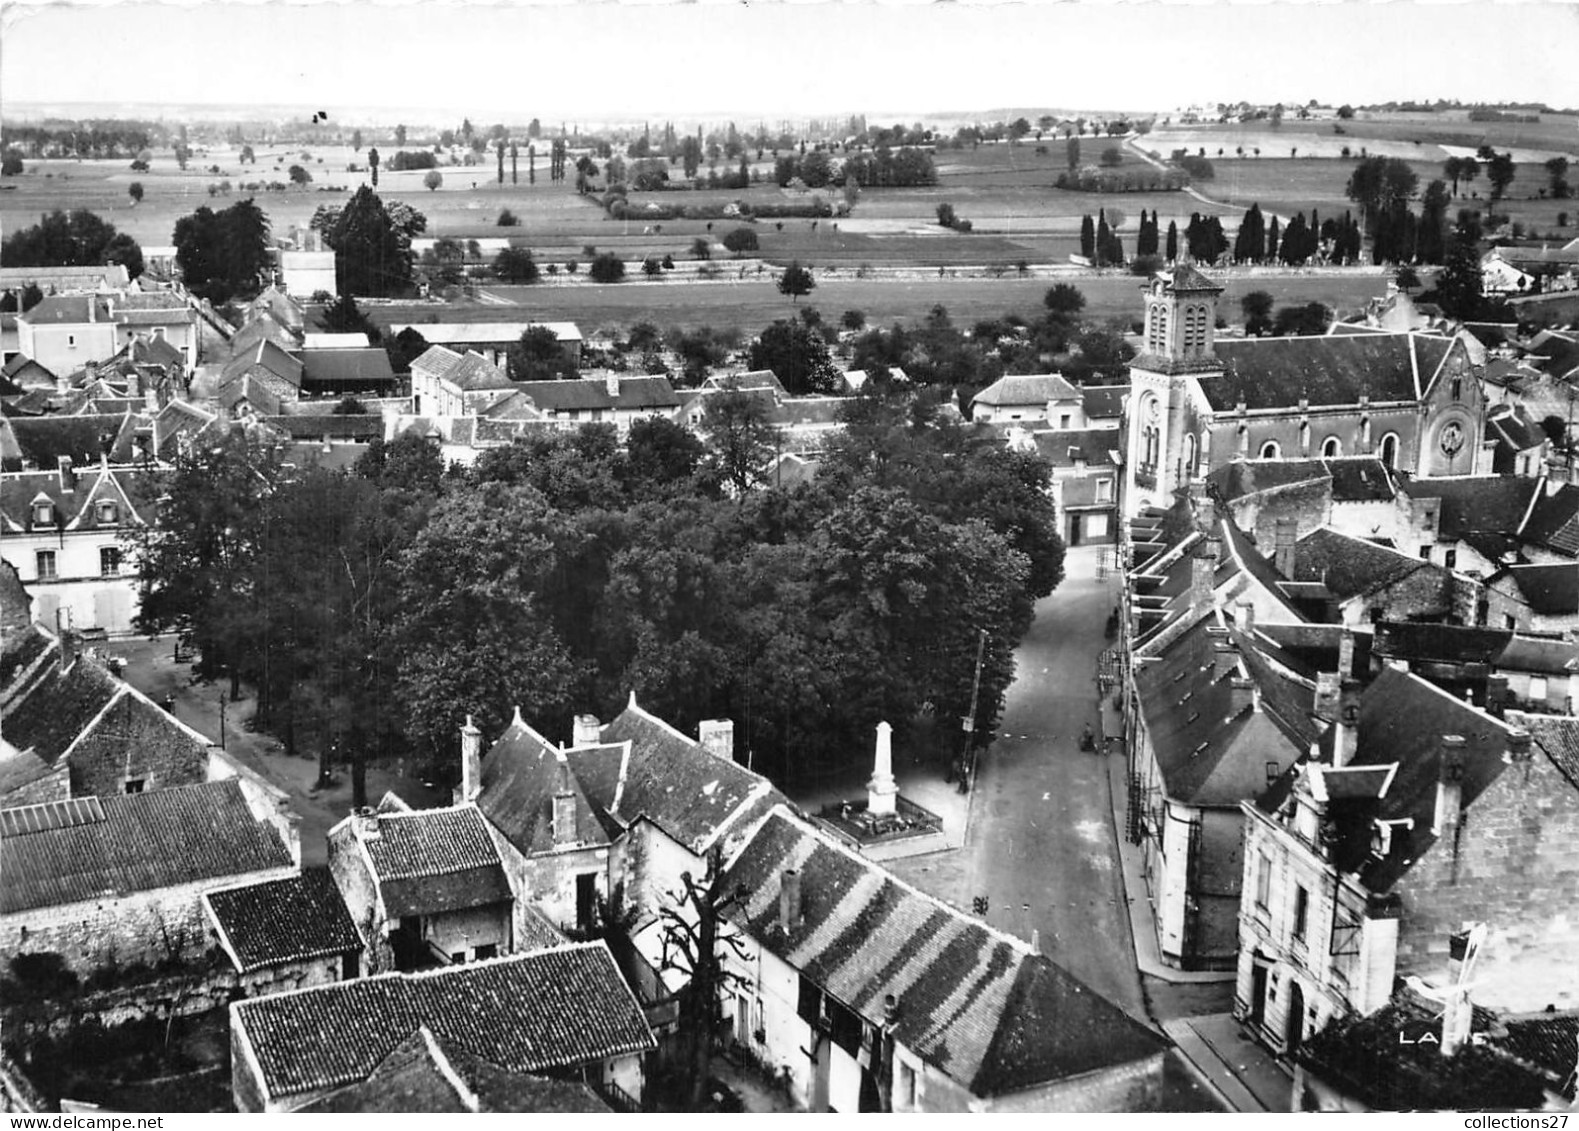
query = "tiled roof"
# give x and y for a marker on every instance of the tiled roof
(1480, 503)
(145, 841)
(1513, 430)
(1378, 1060)
(1549, 590)
(265, 356)
(1411, 640)
(109, 276)
(1104, 401)
(1093, 445)
(545, 1010)
(66, 310)
(346, 367)
(975, 1004)
(1028, 389)
(1550, 1041)
(1539, 654)
(1185, 277)
(520, 775)
(263, 328)
(331, 341)
(490, 333)
(338, 426)
(276, 921)
(687, 792)
(421, 1076)
(434, 860)
(581, 394)
(1349, 566)
(59, 707)
(1278, 372)
(26, 371)
(1558, 735)
(754, 379)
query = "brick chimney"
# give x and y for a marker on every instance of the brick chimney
(1203, 571)
(717, 737)
(1346, 652)
(68, 474)
(471, 762)
(366, 823)
(1326, 703)
(585, 731)
(1449, 787)
(789, 900)
(1225, 660)
(564, 805)
(611, 384)
(1283, 552)
(1518, 745)
(1246, 618)
(1244, 696)
(1346, 737)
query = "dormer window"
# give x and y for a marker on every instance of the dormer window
(43, 514)
(108, 512)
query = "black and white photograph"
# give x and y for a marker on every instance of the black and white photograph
(825, 556)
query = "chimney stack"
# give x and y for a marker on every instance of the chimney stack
(1449, 787)
(1036, 942)
(471, 762)
(1496, 695)
(68, 474)
(890, 1010)
(1247, 618)
(1327, 691)
(789, 900)
(367, 823)
(1346, 740)
(1283, 554)
(1518, 745)
(1346, 653)
(1225, 660)
(585, 732)
(611, 384)
(1203, 574)
(717, 737)
(564, 804)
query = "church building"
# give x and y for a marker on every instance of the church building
(1412, 399)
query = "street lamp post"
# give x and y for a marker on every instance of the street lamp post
(222, 719)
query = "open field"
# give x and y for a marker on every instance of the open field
(752, 303)
(1414, 137)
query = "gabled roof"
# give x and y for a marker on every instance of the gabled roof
(469, 333)
(520, 775)
(1095, 446)
(1185, 277)
(265, 356)
(278, 921)
(1268, 373)
(1030, 389)
(1470, 505)
(1554, 520)
(1549, 590)
(468, 372)
(1208, 753)
(581, 394)
(264, 328)
(25, 371)
(1353, 478)
(549, 1009)
(978, 1005)
(1349, 566)
(675, 783)
(335, 425)
(67, 310)
(1104, 402)
(421, 1076)
(1411, 640)
(1512, 430)
(429, 861)
(365, 366)
(44, 440)
(67, 852)
(739, 382)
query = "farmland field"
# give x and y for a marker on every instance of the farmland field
(752, 303)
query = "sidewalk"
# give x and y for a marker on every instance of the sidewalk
(1143, 923)
(1245, 1075)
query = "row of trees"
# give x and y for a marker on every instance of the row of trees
(377, 609)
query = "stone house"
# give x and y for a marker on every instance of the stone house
(1353, 495)
(1469, 524)
(446, 383)
(422, 886)
(1412, 400)
(1519, 446)
(562, 1011)
(1425, 814)
(119, 879)
(615, 399)
(1496, 665)
(1534, 598)
(877, 997)
(65, 333)
(1045, 399)
(285, 934)
(1209, 724)
(1085, 471)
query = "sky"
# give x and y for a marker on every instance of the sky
(601, 59)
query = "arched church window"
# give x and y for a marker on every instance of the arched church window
(1331, 448)
(1388, 452)
(1270, 450)
(1189, 457)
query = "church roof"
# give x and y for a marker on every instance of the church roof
(1186, 278)
(1273, 373)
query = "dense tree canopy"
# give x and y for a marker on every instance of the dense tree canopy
(371, 242)
(224, 254)
(798, 356)
(80, 239)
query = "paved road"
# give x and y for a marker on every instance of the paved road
(1041, 847)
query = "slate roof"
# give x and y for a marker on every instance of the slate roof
(1353, 479)
(263, 328)
(1208, 754)
(72, 510)
(1349, 566)
(977, 1005)
(1554, 520)
(1028, 389)
(21, 367)
(1094, 445)
(58, 706)
(337, 426)
(110, 276)
(520, 775)
(433, 860)
(1470, 505)
(1103, 402)
(1513, 430)
(1411, 640)
(141, 842)
(582, 394)
(674, 782)
(279, 921)
(43, 440)
(549, 1009)
(420, 1076)
(1185, 277)
(367, 366)
(1549, 590)
(1267, 373)
(267, 357)
(753, 379)
(468, 372)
